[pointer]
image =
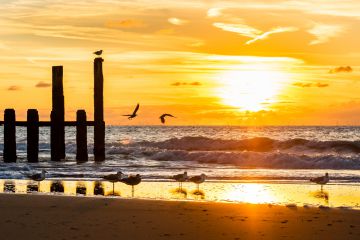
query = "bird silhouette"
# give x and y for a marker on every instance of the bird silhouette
(162, 117)
(180, 178)
(98, 53)
(321, 180)
(132, 181)
(198, 180)
(133, 115)
(113, 178)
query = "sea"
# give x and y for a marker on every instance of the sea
(223, 153)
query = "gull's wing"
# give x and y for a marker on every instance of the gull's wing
(136, 109)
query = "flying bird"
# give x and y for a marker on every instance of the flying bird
(321, 180)
(180, 178)
(198, 180)
(133, 115)
(162, 117)
(98, 53)
(113, 178)
(132, 181)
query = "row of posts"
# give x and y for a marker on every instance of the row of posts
(57, 150)
(57, 123)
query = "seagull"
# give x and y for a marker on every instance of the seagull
(321, 180)
(162, 117)
(38, 177)
(98, 52)
(133, 115)
(113, 178)
(132, 180)
(180, 178)
(198, 180)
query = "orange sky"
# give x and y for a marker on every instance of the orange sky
(207, 62)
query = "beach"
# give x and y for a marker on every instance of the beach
(67, 217)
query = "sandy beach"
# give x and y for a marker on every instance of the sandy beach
(65, 217)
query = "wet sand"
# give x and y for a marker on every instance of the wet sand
(64, 217)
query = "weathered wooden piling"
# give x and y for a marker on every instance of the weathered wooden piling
(9, 153)
(99, 126)
(81, 136)
(57, 115)
(32, 135)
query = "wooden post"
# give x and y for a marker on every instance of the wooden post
(9, 136)
(99, 127)
(81, 136)
(32, 135)
(57, 115)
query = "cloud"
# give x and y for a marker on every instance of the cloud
(324, 32)
(251, 32)
(186, 84)
(307, 85)
(341, 69)
(214, 12)
(13, 88)
(127, 23)
(42, 84)
(177, 21)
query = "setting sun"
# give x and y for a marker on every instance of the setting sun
(251, 90)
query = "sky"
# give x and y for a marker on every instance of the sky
(207, 62)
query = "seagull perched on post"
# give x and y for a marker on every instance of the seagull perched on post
(198, 180)
(132, 181)
(133, 115)
(321, 180)
(38, 177)
(162, 117)
(180, 178)
(113, 178)
(98, 53)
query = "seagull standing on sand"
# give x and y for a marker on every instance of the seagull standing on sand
(133, 115)
(198, 180)
(162, 117)
(113, 178)
(98, 53)
(321, 180)
(38, 177)
(180, 178)
(132, 181)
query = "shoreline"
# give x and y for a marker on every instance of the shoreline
(60, 217)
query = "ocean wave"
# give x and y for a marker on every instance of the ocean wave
(258, 144)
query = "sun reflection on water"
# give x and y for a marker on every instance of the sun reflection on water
(334, 195)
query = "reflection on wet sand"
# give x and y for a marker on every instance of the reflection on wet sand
(179, 193)
(273, 193)
(321, 195)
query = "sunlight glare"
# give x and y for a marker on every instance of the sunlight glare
(251, 90)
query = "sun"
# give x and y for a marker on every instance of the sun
(250, 90)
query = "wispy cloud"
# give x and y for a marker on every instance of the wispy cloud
(186, 84)
(42, 84)
(341, 69)
(214, 12)
(251, 32)
(177, 21)
(13, 88)
(308, 85)
(323, 32)
(128, 23)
